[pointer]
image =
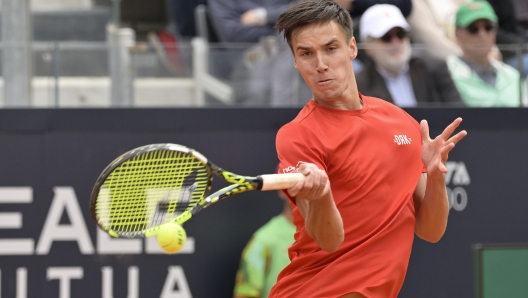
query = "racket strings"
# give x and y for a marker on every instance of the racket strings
(150, 189)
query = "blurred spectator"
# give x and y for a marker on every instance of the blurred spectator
(482, 82)
(360, 6)
(182, 12)
(246, 20)
(287, 87)
(265, 255)
(521, 14)
(513, 29)
(433, 26)
(357, 8)
(249, 23)
(392, 74)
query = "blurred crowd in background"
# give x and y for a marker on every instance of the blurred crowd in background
(411, 52)
(414, 53)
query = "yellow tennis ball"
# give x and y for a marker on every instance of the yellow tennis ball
(171, 237)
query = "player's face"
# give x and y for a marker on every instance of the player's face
(323, 56)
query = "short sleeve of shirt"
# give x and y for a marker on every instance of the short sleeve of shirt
(297, 144)
(251, 274)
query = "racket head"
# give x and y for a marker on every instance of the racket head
(147, 187)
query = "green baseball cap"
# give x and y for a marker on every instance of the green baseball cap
(469, 12)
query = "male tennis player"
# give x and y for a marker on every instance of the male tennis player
(364, 195)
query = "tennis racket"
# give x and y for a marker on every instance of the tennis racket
(155, 184)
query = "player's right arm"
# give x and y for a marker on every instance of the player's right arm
(316, 204)
(298, 146)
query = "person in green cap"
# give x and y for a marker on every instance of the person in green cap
(481, 81)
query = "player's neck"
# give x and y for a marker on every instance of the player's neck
(347, 101)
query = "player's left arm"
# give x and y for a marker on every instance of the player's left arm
(430, 196)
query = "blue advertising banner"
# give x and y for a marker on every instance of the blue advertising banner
(49, 246)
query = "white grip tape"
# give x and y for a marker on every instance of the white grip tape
(280, 181)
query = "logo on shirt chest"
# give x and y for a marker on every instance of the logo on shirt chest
(402, 140)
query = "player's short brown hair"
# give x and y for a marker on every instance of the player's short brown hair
(310, 12)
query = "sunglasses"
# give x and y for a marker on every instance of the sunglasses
(474, 29)
(400, 34)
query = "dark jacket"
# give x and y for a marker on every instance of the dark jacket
(509, 31)
(226, 14)
(359, 6)
(432, 83)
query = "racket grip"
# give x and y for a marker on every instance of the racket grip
(280, 181)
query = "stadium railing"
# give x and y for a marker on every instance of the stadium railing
(192, 73)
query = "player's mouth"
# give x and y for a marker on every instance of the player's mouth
(325, 82)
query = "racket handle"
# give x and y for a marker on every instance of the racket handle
(280, 181)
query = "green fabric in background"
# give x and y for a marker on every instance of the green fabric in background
(505, 272)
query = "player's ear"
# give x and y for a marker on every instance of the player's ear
(353, 48)
(295, 63)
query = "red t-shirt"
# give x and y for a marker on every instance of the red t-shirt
(372, 158)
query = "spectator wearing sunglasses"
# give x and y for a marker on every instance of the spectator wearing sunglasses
(481, 81)
(391, 73)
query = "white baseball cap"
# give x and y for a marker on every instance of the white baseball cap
(379, 19)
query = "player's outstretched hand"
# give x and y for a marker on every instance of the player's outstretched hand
(435, 152)
(314, 187)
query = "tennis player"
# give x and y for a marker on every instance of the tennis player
(374, 176)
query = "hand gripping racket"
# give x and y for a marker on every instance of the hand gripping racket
(160, 183)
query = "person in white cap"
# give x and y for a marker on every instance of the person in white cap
(392, 74)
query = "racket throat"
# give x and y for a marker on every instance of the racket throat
(227, 192)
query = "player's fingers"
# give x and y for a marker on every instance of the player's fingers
(319, 188)
(327, 188)
(444, 152)
(443, 168)
(314, 186)
(424, 129)
(456, 138)
(318, 185)
(308, 182)
(294, 190)
(447, 148)
(305, 169)
(451, 128)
